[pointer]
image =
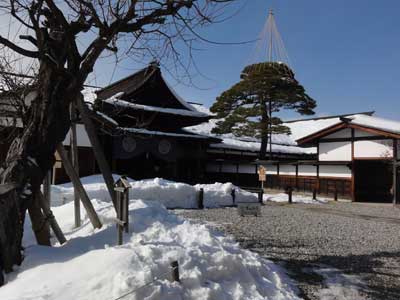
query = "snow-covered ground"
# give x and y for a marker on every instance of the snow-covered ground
(170, 194)
(282, 197)
(91, 266)
(339, 285)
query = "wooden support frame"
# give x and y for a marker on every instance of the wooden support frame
(51, 219)
(75, 162)
(47, 192)
(97, 149)
(94, 218)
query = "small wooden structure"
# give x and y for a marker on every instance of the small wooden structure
(122, 187)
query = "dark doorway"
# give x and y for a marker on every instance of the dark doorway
(373, 181)
(145, 166)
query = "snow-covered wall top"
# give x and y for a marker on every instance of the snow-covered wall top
(282, 143)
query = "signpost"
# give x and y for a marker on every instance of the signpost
(262, 175)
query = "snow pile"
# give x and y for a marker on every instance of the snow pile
(282, 197)
(221, 194)
(171, 194)
(90, 266)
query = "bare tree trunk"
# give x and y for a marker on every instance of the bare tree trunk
(30, 157)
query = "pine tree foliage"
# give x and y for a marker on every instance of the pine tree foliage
(248, 107)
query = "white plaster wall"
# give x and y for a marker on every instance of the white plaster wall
(374, 149)
(336, 151)
(307, 170)
(82, 137)
(334, 171)
(344, 133)
(272, 169)
(360, 133)
(287, 170)
(247, 169)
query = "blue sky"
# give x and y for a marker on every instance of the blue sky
(345, 53)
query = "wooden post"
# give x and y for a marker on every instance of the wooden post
(51, 219)
(233, 196)
(75, 162)
(121, 190)
(175, 271)
(290, 190)
(1, 277)
(126, 210)
(94, 218)
(39, 226)
(336, 194)
(314, 194)
(260, 196)
(119, 217)
(47, 193)
(97, 148)
(201, 199)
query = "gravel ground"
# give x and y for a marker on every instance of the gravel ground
(358, 239)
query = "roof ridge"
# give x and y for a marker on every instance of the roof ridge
(368, 113)
(154, 68)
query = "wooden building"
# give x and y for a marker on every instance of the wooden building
(149, 131)
(147, 138)
(356, 157)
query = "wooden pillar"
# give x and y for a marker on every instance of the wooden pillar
(39, 226)
(51, 219)
(94, 218)
(297, 177)
(395, 158)
(75, 162)
(47, 193)
(278, 176)
(97, 148)
(353, 197)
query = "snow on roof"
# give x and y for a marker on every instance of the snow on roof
(375, 122)
(282, 143)
(175, 111)
(151, 132)
(89, 94)
(201, 108)
(300, 129)
(230, 143)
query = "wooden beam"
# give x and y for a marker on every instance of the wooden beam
(41, 231)
(319, 134)
(47, 192)
(75, 162)
(97, 149)
(375, 131)
(51, 219)
(94, 219)
(361, 138)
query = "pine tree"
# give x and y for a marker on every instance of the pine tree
(247, 108)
